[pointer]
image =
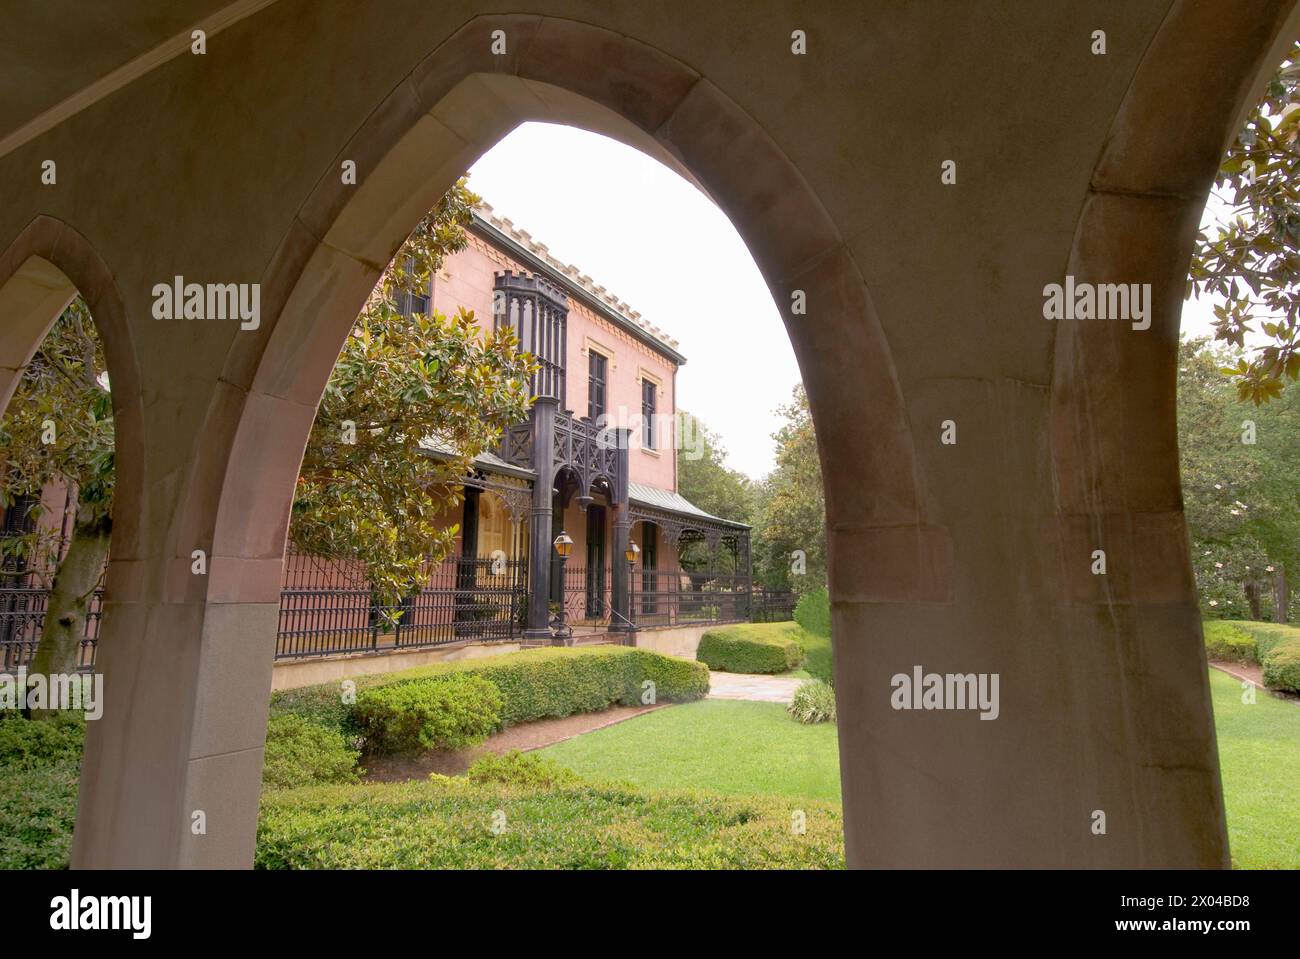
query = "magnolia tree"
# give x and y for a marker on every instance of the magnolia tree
(413, 399)
(58, 432)
(1239, 465)
(1251, 261)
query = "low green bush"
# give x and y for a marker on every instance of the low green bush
(28, 744)
(450, 712)
(1228, 642)
(813, 702)
(302, 753)
(38, 808)
(813, 612)
(675, 680)
(323, 705)
(520, 769)
(1282, 667)
(557, 682)
(40, 766)
(1278, 646)
(447, 822)
(751, 648)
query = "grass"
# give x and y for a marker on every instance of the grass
(1259, 758)
(758, 765)
(729, 747)
(737, 748)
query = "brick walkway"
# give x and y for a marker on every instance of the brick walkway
(761, 689)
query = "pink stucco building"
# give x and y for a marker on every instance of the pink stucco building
(606, 407)
(595, 463)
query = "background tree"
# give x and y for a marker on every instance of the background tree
(1252, 262)
(790, 550)
(708, 482)
(1241, 498)
(369, 491)
(58, 431)
(406, 386)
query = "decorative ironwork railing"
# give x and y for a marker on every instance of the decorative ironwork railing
(588, 595)
(686, 597)
(329, 607)
(23, 601)
(773, 606)
(325, 607)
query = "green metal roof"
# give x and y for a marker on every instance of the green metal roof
(673, 502)
(486, 460)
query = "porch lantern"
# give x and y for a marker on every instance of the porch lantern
(560, 630)
(631, 553)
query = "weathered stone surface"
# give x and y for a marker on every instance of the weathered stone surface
(924, 304)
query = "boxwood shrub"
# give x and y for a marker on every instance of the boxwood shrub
(29, 744)
(302, 753)
(452, 712)
(1279, 653)
(557, 682)
(1282, 667)
(750, 648)
(1228, 642)
(444, 823)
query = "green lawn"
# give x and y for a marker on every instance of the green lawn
(743, 748)
(730, 747)
(1259, 757)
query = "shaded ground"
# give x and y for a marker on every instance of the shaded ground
(528, 736)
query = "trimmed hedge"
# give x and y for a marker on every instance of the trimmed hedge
(520, 769)
(446, 822)
(40, 766)
(31, 744)
(1277, 650)
(535, 684)
(813, 612)
(303, 753)
(451, 712)
(1282, 667)
(751, 648)
(1228, 642)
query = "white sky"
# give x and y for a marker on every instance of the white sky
(660, 245)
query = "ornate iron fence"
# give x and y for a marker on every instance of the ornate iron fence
(687, 597)
(773, 606)
(328, 607)
(588, 595)
(23, 601)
